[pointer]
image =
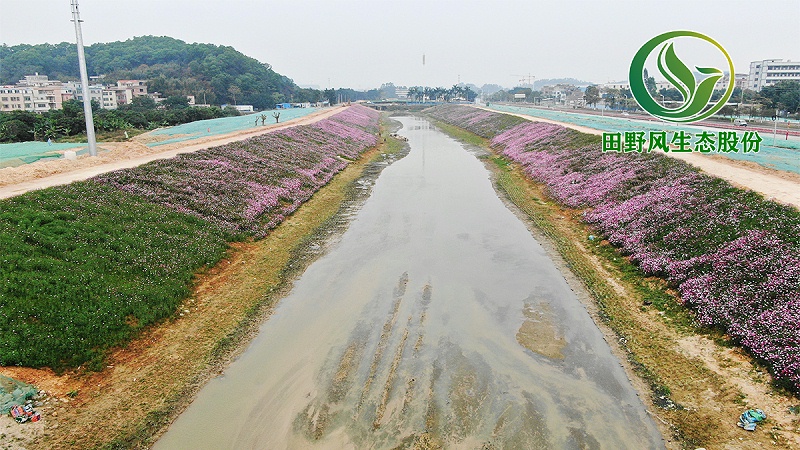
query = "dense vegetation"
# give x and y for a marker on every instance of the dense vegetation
(216, 74)
(22, 126)
(86, 266)
(733, 256)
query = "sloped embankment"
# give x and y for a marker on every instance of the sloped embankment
(733, 256)
(86, 266)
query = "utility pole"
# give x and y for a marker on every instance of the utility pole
(87, 98)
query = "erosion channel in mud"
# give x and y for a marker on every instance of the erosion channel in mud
(435, 320)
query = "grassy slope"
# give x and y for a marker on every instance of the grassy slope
(690, 396)
(228, 304)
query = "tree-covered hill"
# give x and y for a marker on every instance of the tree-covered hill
(171, 67)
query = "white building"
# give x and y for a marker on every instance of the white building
(771, 71)
(13, 98)
(35, 93)
(74, 90)
(39, 94)
(401, 92)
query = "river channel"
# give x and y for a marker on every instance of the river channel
(436, 320)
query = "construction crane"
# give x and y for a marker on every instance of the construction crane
(530, 78)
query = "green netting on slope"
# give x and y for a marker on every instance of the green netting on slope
(13, 392)
(224, 125)
(773, 157)
(18, 153)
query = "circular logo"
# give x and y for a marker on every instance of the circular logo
(696, 94)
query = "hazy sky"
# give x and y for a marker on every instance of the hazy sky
(362, 44)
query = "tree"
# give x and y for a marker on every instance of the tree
(611, 96)
(140, 102)
(469, 94)
(388, 90)
(170, 66)
(650, 83)
(671, 94)
(783, 95)
(15, 130)
(330, 95)
(592, 95)
(414, 93)
(234, 91)
(176, 102)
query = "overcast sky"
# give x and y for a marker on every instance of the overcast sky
(363, 43)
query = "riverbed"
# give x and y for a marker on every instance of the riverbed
(436, 319)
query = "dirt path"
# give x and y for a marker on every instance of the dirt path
(121, 155)
(783, 187)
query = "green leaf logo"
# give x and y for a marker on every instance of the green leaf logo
(697, 96)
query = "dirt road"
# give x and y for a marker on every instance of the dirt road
(121, 155)
(782, 187)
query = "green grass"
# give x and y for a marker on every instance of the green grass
(85, 266)
(652, 291)
(462, 134)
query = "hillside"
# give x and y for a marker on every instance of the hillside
(171, 66)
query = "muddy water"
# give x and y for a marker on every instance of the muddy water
(436, 320)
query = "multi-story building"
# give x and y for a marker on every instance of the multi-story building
(74, 91)
(740, 80)
(109, 99)
(38, 93)
(770, 71)
(13, 98)
(128, 89)
(401, 92)
(567, 94)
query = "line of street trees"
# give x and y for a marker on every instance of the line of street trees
(783, 96)
(420, 93)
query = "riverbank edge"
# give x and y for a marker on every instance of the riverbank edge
(109, 413)
(689, 398)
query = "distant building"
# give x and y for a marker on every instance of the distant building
(126, 90)
(740, 80)
(401, 92)
(13, 98)
(74, 91)
(620, 85)
(567, 94)
(38, 93)
(770, 71)
(615, 85)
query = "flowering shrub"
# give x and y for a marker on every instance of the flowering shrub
(733, 256)
(87, 265)
(249, 186)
